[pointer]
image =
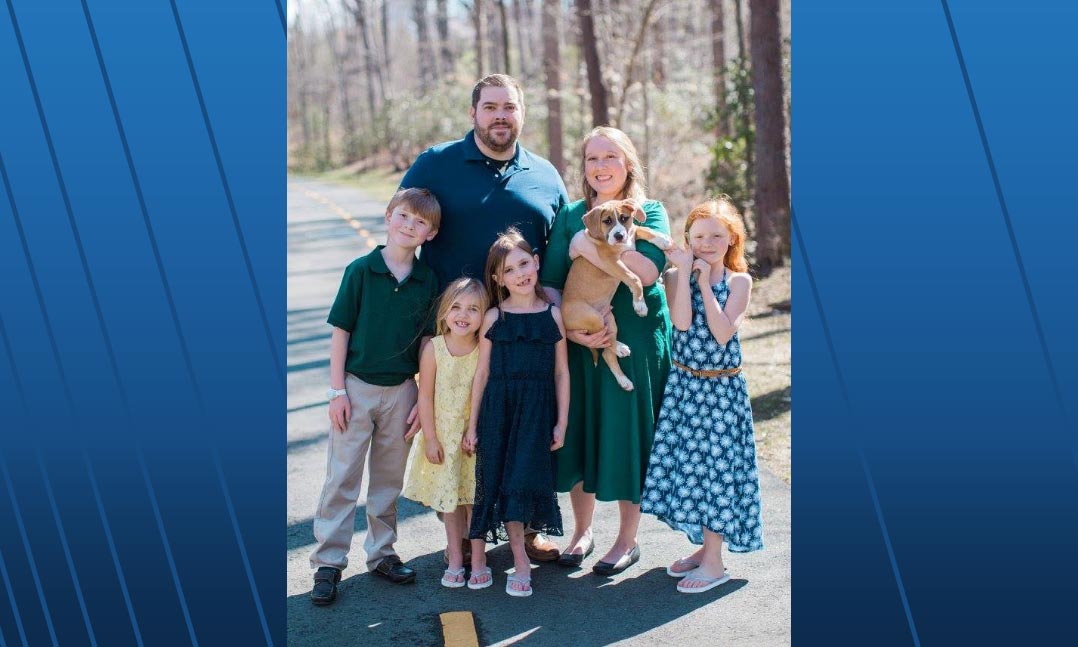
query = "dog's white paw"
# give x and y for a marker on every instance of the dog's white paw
(625, 383)
(621, 350)
(663, 242)
(640, 308)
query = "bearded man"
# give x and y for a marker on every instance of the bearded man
(487, 182)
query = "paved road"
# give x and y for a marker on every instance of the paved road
(328, 226)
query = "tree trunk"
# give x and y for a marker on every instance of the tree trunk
(523, 59)
(358, 9)
(552, 74)
(772, 185)
(600, 111)
(658, 61)
(638, 42)
(428, 67)
(446, 54)
(718, 67)
(504, 19)
(479, 18)
(746, 123)
(385, 42)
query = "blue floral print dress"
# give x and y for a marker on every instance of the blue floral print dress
(702, 469)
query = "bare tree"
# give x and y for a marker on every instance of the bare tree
(385, 38)
(600, 110)
(480, 23)
(552, 75)
(718, 65)
(299, 79)
(358, 10)
(772, 183)
(522, 40)
(442, 20)
(503, 19)
(428, 68)
(630, 65)
(341, 50)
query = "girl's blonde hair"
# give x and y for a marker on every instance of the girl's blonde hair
(636, 186)
(455, 291)
(509, 240)
(722, 209)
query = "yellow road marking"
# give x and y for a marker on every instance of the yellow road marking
(458, 629)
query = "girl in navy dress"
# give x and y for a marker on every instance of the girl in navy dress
(520, 405)
(701, 477)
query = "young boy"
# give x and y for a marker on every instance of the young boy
(380, 314)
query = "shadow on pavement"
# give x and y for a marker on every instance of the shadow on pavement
(569, 607)
(301, 533)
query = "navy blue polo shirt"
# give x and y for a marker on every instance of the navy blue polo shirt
(480, 198)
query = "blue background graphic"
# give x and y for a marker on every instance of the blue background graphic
(142, 267)
(936, 491)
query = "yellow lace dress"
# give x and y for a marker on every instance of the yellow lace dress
(446, 486)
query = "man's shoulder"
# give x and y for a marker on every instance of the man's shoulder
(451, 147)
(537, 162)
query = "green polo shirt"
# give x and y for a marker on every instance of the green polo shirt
(387, 319)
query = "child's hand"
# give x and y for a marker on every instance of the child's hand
(469, 442)
(432, 447)
(704, 268)
(413, 422)
(679, 256)
(340, 412)
(559, 438)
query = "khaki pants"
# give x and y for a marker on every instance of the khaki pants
(378, 423)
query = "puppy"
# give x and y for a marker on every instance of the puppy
(589, 289)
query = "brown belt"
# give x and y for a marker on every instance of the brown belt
(726, 372)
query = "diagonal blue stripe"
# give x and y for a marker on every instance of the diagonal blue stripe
(243, 549)
(3, 565)
(141, 201)
(183, 347)
(29, 552)
(67, 549)
(11, 598)
(168, 549)
(890, 548)
(112, 548)
(1006, 214)
(280, 11)
(228, 195)
(845, 396)
(48, 490)
(37, 287)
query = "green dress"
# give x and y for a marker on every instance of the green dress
(608, 440)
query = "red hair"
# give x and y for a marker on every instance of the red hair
(722, 209)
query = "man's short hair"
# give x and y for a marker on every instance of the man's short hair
(497, 81)
(420, 201)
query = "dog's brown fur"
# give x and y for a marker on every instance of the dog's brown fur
(589, 289)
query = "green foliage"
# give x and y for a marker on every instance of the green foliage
(730, 171)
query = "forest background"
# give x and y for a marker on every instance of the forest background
(701, 86)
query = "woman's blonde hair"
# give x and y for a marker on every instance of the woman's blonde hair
(722, 209)
(509, 240)
(636, 186)
(455, 291)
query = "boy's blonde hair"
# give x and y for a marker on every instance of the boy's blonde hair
(722, 209)
(509, 240)
(421, 201)
(454, 291)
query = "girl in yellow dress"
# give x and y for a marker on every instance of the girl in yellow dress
(441, 476)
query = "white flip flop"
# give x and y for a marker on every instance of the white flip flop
(672, 573)
(453, 572)
(519, 580)
(712, 582)
(481, 585)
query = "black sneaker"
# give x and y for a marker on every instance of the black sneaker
(325, 585)
(393, 570)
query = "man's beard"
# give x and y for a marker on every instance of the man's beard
(493, 144)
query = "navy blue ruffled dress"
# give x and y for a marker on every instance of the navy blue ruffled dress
(514, 472)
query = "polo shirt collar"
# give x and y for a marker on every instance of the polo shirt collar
(520, 159)
(377, 264)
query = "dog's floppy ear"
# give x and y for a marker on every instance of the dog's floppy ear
(591, 222)
(638, 213)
